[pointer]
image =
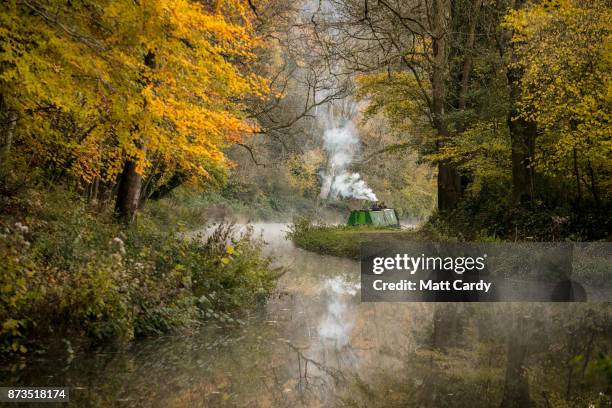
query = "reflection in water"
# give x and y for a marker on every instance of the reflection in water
(315, 344)
(337, 321)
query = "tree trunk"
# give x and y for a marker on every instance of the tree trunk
(522, 134)
(577, 176)
(516, 388)
(449, 321)
(466, 71)
(9, 135)
(162, 191)
(128, 192)
(130, 183)
(449, 186)
(594, 185)
(522, 138)
(95, 189)
(449, 180)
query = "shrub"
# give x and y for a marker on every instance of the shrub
(70, 271)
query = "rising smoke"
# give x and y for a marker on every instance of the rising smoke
(342, 144)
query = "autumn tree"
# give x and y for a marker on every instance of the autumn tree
(563, 51)
(103, 88)
(418, 46)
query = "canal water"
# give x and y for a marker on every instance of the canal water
(312, 345)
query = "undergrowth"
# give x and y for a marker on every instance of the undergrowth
(69, 270)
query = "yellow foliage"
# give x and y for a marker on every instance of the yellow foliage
(399, 96)
(302, 171)
(564, 48)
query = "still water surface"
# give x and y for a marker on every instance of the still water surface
(299, 350)
(315, 345)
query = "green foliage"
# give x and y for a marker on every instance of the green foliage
(489, 213)
(340, 240)
(483, 152)
(398, 95)
(562, 50)
(229, 272)
(69, 271)
(329, 240)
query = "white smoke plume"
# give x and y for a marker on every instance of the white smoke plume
(341, 144)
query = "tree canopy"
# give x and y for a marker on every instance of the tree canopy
(161, 82)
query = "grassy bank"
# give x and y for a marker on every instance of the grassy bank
(344, 241)
(511, 224)
(71, 273)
